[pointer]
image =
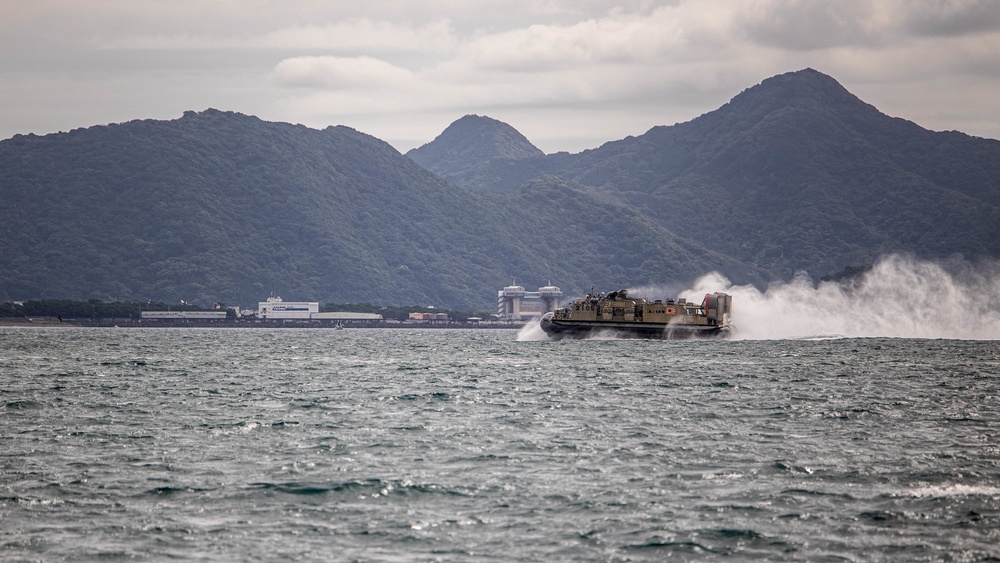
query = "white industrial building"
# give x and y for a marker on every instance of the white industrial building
(346, 316)
(185, 315)
(276, 308)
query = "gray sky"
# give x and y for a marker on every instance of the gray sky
(568, 74)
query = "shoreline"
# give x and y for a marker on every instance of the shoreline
(55, 322)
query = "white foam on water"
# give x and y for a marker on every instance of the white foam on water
(531, 331)
(899, 297)
(941, 491)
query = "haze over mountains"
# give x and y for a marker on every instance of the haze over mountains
(794, 174)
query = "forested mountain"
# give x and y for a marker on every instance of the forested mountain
(219, 206)
(793, 174)
(470, 148)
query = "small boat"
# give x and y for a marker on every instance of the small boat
(618, 315)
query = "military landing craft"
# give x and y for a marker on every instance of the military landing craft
(617, 314)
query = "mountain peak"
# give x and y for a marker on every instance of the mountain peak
(802, 82)
(807, 88)
(473, 140)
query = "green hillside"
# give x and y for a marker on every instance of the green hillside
(218, 206)
(475, 152)
(794, 174)
(221, 206)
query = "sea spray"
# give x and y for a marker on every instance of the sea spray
(532, 331)
(898, 297)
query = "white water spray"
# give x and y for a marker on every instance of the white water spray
(898, 297)
(531, 331)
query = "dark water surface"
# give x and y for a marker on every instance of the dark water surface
(402, 445)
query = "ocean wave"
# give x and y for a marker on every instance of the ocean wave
(950, 490)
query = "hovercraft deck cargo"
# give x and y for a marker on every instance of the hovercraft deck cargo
(617, 314)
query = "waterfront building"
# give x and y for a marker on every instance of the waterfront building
(514, 303)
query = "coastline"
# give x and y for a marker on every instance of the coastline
(56, 322)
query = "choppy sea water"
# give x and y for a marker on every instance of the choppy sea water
(402, 445)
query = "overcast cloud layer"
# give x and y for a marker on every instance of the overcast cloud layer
(569, 74)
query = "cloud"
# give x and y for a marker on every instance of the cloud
(810, 24)
(817, 24)
(574, 72)
(365, 35)
(618, 37)
(360, 35)
(339, 73)
(647, 65)
(950, 18)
